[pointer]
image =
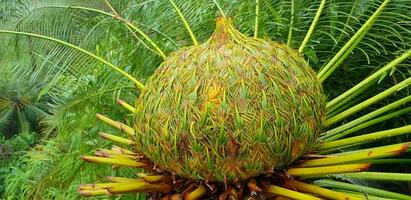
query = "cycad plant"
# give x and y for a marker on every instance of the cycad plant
(21, 106)
(235, 116)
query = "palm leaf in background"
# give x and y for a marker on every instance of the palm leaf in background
(350, 41)
(20, 109)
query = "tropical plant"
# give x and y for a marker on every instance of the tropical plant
(11, 150)
(54, 165)
(21, 107)
(72, 102)
(364, 123)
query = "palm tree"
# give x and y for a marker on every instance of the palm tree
(21, 108)
(365, 121)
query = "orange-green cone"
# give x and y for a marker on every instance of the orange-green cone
(229, 109)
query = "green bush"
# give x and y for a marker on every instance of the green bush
(10, 152)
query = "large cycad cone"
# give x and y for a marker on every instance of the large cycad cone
(231, 108)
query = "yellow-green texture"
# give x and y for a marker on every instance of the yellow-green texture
(229, 109)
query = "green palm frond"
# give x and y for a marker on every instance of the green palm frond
(20, 106)
(56, 165)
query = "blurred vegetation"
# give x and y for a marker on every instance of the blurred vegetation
(10, 152)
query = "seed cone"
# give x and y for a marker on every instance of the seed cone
(229, 109)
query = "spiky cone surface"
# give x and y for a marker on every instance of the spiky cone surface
(229, 109)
